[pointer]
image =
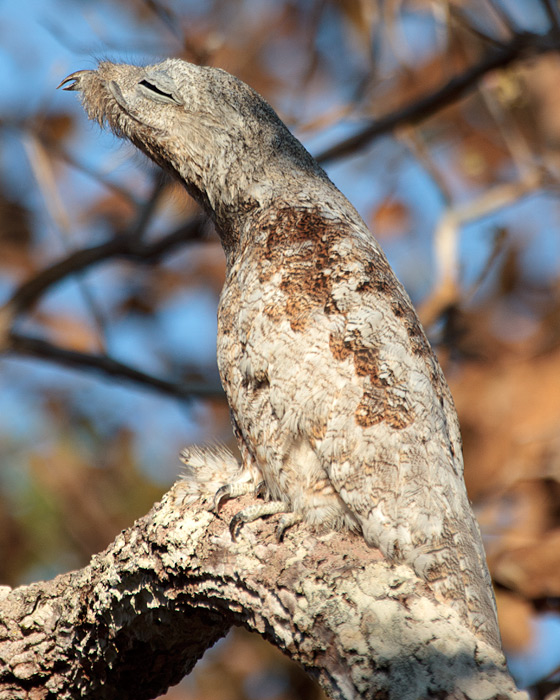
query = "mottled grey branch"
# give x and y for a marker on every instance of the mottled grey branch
(139, 616)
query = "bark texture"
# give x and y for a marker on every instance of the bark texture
(139, 616)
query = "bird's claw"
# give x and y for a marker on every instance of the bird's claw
(235, 525)
(260, 510)
(285, 523)
(280, 530)
(221, 495)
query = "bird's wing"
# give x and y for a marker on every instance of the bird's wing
(368, 394)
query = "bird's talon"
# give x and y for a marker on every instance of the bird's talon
(260, 490)
(221, 495)
(280, 530)
(234, 525)
(285, 523)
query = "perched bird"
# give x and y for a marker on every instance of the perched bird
(338, 402)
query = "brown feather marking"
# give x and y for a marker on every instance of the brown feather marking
(297, 242)
(300, 244)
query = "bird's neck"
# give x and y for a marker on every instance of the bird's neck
(240, 190)
(247, 224)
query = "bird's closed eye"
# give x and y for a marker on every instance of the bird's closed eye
(165, 96)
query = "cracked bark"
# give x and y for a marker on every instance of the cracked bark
(142, 613)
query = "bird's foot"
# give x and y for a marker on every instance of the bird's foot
(259, 510)
(214, 475)
(235, 489)
(286, 522)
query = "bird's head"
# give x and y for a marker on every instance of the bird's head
(210, 129)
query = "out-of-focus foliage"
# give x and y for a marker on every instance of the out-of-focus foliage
(106, 270)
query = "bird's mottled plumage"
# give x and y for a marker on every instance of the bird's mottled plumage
(338, 402)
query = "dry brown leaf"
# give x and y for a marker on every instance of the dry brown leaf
(532, 570)
(70, 332)
(390, 218)
(55, 127)
(514, 615)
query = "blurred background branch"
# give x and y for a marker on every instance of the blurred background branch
(521, 46)
(439, 119)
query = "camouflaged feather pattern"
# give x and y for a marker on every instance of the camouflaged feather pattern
(337, 399)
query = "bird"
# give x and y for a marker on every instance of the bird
(341, 411)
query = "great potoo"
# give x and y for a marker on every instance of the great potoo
(338, 403)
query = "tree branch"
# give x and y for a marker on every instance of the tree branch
(128, 247)
(522, 45)
(23, 345)
(140, 615)
(446, 289)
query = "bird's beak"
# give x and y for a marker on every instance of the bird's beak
(74, 79)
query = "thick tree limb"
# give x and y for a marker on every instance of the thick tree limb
(140, 615)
